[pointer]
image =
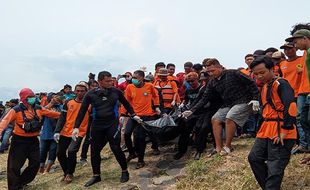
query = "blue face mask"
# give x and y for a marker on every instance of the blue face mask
(135, 82)
(31, 101)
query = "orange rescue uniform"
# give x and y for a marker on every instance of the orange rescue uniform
(289, 71)
(141, 99)
(71, 110)
(12, 115)
(279, 110)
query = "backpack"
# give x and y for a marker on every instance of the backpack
(30, 125)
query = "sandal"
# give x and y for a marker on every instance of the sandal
(226, 151)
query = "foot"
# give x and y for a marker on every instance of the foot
(140, 165)
(299, 149)
(305, 160)
(124, 148)
(155, 152)
(92, 181)
(41, 170)
(178, 155)
(69, 178)
(226, 150)
(130, 157)
(124, 177)
(197, 156)
(83, 162)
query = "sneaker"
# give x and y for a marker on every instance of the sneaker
(124, 177)
(130, 157)
(140, 165)
(155, 152)
(92, 181)
(83, 162)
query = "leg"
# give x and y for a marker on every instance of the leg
(33, 156)
(85, 145)
(301, 100)
(278, 158)
(44, 145)
(63, 145)
(16, 159)
(257, 158)
(128, 134)
(72, 151)
(98, 141)
(140, 143)
(230, 128)
(114, 142)
(217, 131)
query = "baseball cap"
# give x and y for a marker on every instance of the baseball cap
(276, 55)
(287, 45)
(82, 83)
(299, 34)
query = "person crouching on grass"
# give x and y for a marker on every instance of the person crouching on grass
(271, 151)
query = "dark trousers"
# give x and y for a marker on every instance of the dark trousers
(22, 149)
(268, 162)
(68, 161)
(305, 120)
(85, 145)
(202, 128)
(139, 137)
(48, 147)
(99, 139)
(186, 127)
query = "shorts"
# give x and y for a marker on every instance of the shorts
(239, 113)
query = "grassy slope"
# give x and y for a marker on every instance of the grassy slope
(230, 172)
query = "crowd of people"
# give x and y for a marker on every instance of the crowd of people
(268, 100)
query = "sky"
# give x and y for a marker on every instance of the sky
(46, 44)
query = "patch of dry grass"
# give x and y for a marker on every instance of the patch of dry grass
(233, 172)
(218, 173)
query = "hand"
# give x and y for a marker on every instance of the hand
(279, 139)
(158, 112)
(121, 120)
(75, 134)
(255, 105)
(165, 115)
(137, 119)
(187, 113)
(56, 137)
(173, 103)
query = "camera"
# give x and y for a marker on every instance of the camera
(91, 76)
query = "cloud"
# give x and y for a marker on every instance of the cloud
(111, 52)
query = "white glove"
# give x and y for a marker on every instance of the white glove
(137, 119)
(173, 103)
(75, 133)
(56, 137)
(255, 105)
(187, 113)
(158, 112)
(181, 106)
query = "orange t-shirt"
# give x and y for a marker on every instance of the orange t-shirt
(141, 98)
(12, 115)
(72, 107)
(304, 87)
(289, 71)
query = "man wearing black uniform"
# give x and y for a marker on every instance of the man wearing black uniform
(104, 101)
